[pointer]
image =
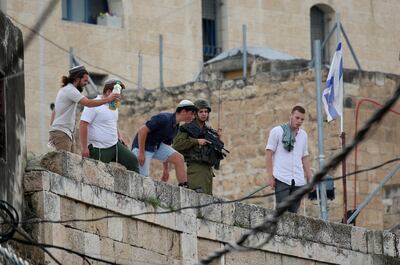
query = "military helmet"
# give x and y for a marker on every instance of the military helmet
(202, 104)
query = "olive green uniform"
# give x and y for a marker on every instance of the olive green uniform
(199, 172)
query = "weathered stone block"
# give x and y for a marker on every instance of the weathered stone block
(242, 215)
(137, 186)
(115, 228)
(257, 216)
(375, 243)
(359, 239)
(107, 251)
(123, 253)
(213, 211)
(163, 194)
(389, 244)
(37, 181)
(92, 245)
(149, 189)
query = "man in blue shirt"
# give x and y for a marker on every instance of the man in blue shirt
(153, 141)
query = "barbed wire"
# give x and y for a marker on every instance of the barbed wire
(11, 257)
(269, 226)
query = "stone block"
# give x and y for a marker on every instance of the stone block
(137, 186)
(122, 180)
(389, 244)
(257, 216)
(92, 245)
(99, 197)
(213, 211)
(225, 233)
(99, 223)
(242, 215)
(228, 213)
(66, 187)
(359, 239)
(96, 173)
(75, 240)
(123, 254)
(163, 194)
(375, 242)
(206, 229)
(115, 228)
(51, 206)
(252, 257)
(144, 256)
(36, 181)
(107, 251)
(189, 199)
(188, 244)
(149, 189)
(72, 210)
(130, 233)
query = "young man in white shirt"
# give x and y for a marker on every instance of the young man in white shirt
(99, 135)
(64, 114)
(286, 155)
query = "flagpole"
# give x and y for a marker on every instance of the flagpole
(342, 133)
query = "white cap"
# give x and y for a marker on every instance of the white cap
(185, 103)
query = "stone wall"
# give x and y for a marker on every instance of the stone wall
(62, 186)
(247, 110)
(12, 113)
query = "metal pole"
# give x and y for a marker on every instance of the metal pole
(71, 57)
(3, 6)
(161, 62)
(244, 30)
(351, 48)
(373, 193)
(321, 157)
(343, 137)
(140, 70)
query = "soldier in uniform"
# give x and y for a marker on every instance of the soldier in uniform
(200, 154)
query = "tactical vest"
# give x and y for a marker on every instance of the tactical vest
(201, 153)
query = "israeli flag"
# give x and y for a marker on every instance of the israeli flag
(333, 92)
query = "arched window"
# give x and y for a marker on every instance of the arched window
(321, 22)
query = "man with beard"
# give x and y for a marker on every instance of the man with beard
(63, 125)
(286, 155)
(200, 157)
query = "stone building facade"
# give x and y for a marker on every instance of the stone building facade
(191, 30)
(247, 110)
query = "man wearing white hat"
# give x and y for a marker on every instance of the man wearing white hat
(153, 141)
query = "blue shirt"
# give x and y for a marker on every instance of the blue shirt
(163, 129)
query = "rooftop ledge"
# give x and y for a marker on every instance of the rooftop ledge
(110, 187)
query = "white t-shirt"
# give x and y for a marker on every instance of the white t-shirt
(102, 129)
(65, 108)
(288, 165)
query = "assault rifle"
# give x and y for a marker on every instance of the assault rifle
(209, 134)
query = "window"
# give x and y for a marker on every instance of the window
(85, 11)
(321, 23)
(209, 16)
(3, 127)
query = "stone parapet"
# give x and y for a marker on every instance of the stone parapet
(131, 227)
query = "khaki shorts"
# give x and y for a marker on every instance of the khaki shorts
(60, 140)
